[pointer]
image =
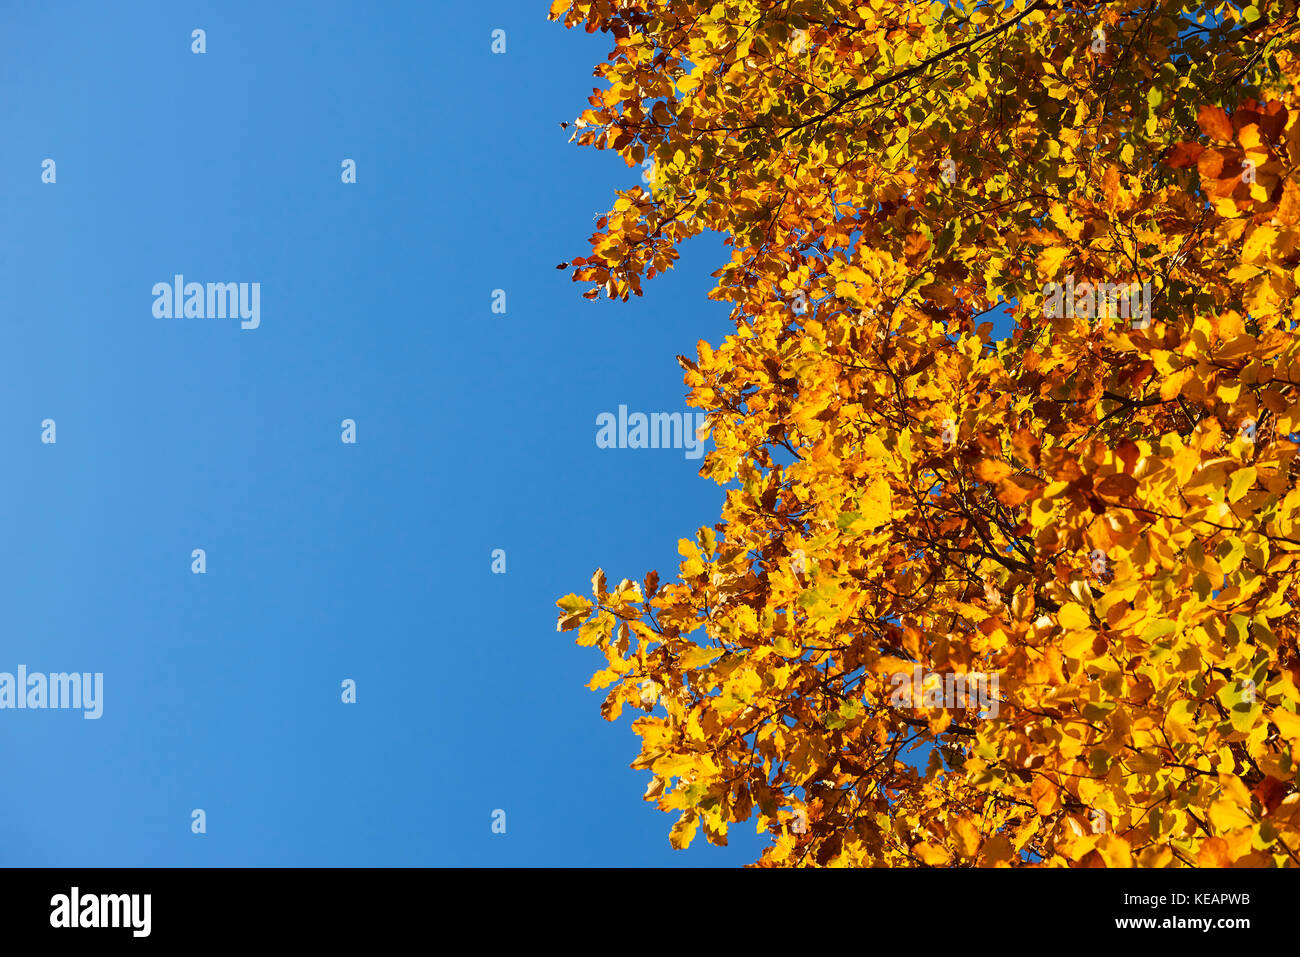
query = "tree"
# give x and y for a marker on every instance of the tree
(1097, 518)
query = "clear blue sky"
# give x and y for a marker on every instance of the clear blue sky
(325, 561)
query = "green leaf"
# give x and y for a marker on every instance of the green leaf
(845, 521)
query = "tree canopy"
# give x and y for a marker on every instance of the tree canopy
(1100, 510)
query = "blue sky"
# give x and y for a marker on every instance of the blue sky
(325, 561)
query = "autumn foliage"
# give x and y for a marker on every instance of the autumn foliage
(1104, 513)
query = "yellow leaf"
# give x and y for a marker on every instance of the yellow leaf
(1288, 725)
(1258, 244)
(932, 854)
(967, 837)
(1174, 383)
(1078, 645)
(1227, 815)
(683, 831)
(876, 505)
(1073, 617)
(1242, 481)
(697, 656)
(1050, 259)
(1114, 850)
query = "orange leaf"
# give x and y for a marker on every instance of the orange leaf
(992, 470)
(1184, 155)
(1214, 123)
(1214, 853)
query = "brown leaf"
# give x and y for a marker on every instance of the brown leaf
(1184, 155)
(1128, 453)
(1270, 792)
(1116, 486)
